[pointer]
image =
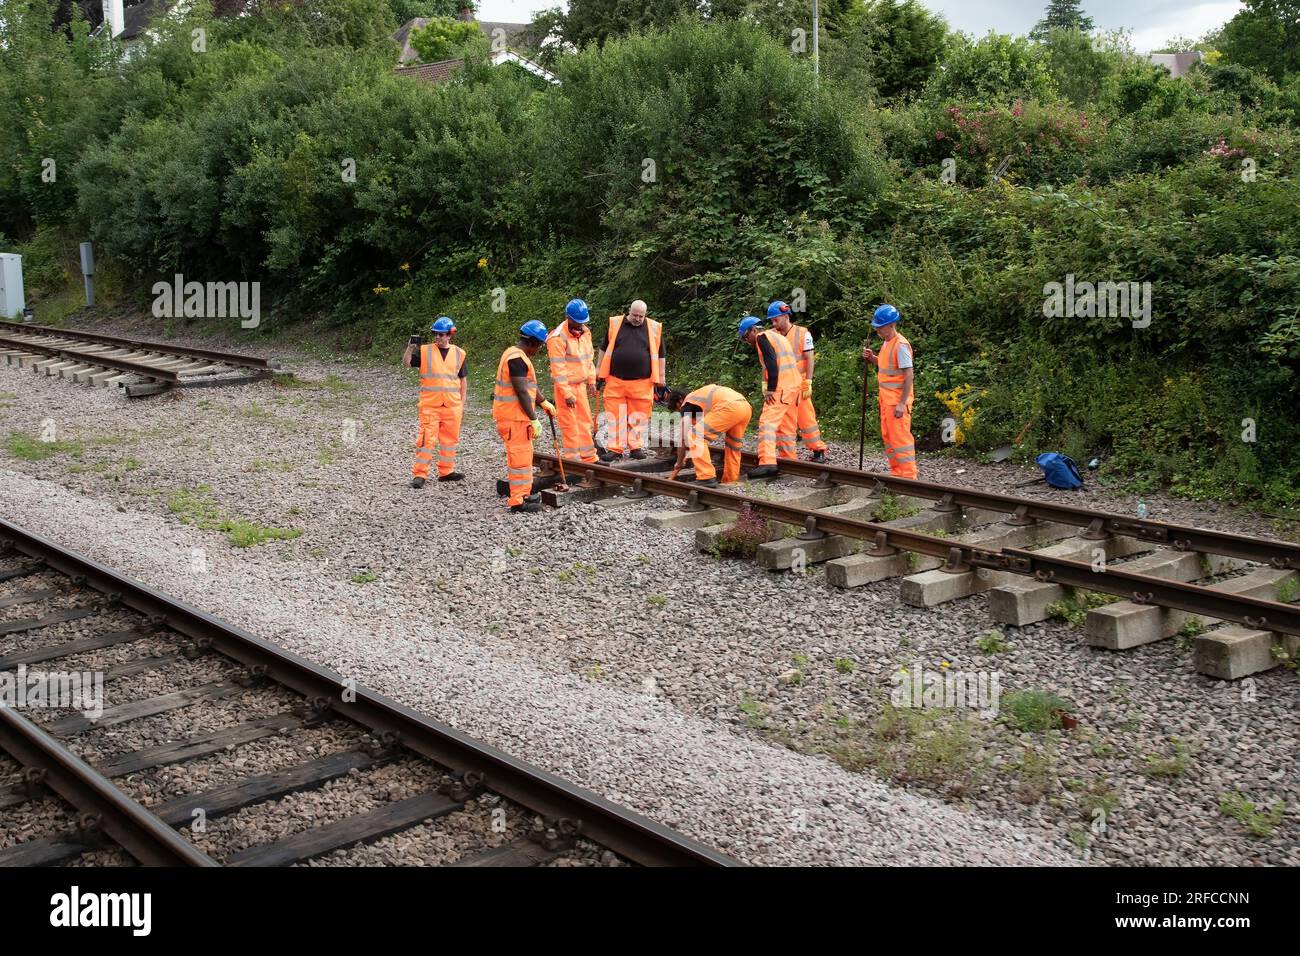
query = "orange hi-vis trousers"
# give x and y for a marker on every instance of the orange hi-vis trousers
(574, 424)
(729, 420)
(777, 424)
(518, 438)
(627, 411)
(809, 430)
(896, 433)
(439, 432)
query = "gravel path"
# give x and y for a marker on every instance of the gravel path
(733, 704)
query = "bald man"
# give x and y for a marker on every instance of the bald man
(630, 366)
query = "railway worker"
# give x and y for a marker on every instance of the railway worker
(707, 413)
(895, 378)
(514, 409)
(442, 401)
(573, 374)
(630, 365)
(801, 341)
(782, 387)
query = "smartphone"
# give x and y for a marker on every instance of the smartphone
(417, 339)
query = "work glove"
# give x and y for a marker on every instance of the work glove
(807, 389)
(548, 408)
(534, 429)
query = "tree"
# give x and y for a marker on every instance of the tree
(443, 38)
(1062, 15)
(903, 43)
(595, 21)
(996, 69)
(1266, 37)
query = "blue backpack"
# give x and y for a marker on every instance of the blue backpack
(1060, 470)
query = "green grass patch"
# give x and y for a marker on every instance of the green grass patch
(364, 577)
(195, 506)
(26, 448)
(891, 508)
(1173, 764)
(1033, 711)
(1074, 608)
(1259, 822)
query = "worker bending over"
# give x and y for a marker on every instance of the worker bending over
(782, 385)
(514, 411)
(573, 374)
(801, 342)
(442, 401)
(710, 412)
(894, 376)
(631, 364)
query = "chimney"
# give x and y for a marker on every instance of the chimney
(114, 20)
(466, 13)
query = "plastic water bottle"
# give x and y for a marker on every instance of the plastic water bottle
(1142, 508)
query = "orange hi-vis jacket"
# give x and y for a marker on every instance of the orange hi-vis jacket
(788, 377)
(572, 358)
(889, 376)
(505, 403)
(657, 370)
(797, 336)
(710, 396)
(440, 377)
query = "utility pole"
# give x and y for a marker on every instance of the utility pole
(817, 67)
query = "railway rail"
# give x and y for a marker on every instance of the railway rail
(958, 557)
(1098, 524)
(564, 812)
(139, 367)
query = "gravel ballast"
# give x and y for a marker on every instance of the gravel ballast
(616, 656)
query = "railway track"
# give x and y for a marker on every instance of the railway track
(1230, 594)
(138, 367)
(135, 636)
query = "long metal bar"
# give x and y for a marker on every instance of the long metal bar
(1253, 612)
(166, 348)
(1278, 554)
(135, 368)
(636, 837)
(131, 826)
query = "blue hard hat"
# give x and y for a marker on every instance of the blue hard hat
(443, 325)
(747, 323)
(578, 311)
(777, 308)
(885, 315)
(532, 329)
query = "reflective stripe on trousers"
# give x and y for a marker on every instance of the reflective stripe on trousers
(440, 433)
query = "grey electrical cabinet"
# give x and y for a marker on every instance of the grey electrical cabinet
(12, 302)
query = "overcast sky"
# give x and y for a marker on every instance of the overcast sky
(1152, 21)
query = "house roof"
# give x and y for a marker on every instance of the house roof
(511, 33)
(136, 18)
(438, 72)
(444, 70)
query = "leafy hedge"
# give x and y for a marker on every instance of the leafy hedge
(702, 168)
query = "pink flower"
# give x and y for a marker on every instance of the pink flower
(939, 135)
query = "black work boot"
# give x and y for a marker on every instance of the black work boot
(451, 476)
(819, 457)
(609, 456)
(762, 471)
(527, 508)
(706, 482)
(417, 482)
(637, 453)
